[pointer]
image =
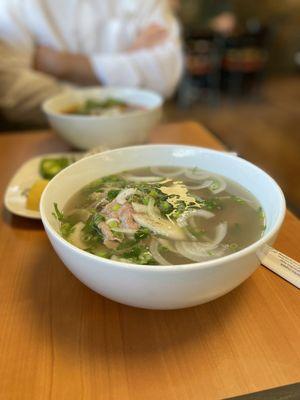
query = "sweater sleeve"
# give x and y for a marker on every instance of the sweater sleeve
(158, 68)
(22, 90)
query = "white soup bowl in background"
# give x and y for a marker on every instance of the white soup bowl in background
(88, 131)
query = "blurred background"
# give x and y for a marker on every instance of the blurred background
(241, 80)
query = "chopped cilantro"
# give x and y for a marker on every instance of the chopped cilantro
(66, 225)
(112, 194)
(126, 244)
(237, 199)
(165, 207)
(142, 233)
(91, 232)
(211, 204)
(140, 255)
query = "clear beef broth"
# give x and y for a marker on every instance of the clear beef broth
(107, 107)
(162, 216)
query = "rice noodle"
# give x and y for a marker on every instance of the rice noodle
(122, 196)
(182, 220)
(152, 211)
(158, 171)
(75, 237)
(139, 208)
(144, 178)
(155, 253)
(204, 185)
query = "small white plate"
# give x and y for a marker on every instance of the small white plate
(24, 178)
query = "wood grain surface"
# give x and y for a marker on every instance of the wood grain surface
(60, 340)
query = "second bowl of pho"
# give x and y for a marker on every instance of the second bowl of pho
(162, 226)
(111, 116)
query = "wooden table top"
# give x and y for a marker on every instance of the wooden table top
(60, 340)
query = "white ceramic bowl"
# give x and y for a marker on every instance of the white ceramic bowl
(85, 132)
(162, 287)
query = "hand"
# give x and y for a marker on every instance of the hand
(149, 37)
(65, 66)
(50, 61)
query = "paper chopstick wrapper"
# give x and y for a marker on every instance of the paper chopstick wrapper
(281, 264)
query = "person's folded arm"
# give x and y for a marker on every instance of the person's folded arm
(158, 68)
(154, 61)
(158, 65)
(22, 90)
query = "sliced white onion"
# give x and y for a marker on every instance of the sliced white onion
(169, 245)
(158, 171)
(139, 208)
(196, 175)
(156, 254)
(220, 233)
(185, 250)
(197, 251)
(122, 196)
(182, 220)
(143, 178)
(204, 185)
(221, 185)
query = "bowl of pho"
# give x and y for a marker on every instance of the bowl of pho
(162, 226)
(112, 116)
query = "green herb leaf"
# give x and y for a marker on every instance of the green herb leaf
(66, 224)
(142, 233)
(165, 207)
(92, 234)
(112, 194)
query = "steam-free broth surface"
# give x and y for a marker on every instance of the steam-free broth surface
(162, 216)
(106, 108)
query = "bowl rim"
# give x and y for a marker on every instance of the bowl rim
(174, 267)
(60, 115)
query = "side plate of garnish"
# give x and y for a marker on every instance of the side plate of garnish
(26, 186)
